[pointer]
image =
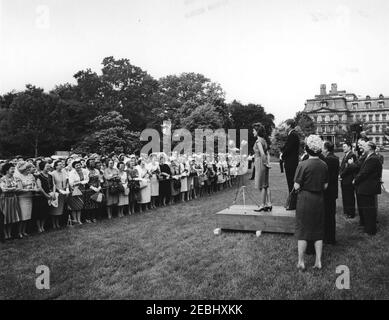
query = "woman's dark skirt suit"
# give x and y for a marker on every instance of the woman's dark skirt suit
(311, 175)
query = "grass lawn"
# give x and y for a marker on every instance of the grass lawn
(171, 253)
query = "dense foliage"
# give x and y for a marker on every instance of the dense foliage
(106, 112)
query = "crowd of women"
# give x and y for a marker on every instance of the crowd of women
(76, 190)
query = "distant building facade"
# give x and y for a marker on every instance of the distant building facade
(332, 112)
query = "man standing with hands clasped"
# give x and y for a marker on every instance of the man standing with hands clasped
(368, 185)
(290, 153)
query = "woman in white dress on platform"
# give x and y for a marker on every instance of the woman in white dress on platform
(145, 191)
(155, 171)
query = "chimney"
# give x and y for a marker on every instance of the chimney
(323, 90)
(334, 88)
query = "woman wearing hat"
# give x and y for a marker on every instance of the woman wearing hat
(311, 179)
(78, 178)
(27, 187)
(145, 192)
(9, 203)
(111, 176)
(61, 184)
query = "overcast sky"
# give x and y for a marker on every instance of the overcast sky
(276, 53)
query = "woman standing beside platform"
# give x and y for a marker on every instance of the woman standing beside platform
(311, 179)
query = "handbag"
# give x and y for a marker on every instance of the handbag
(115, 186)
(76, 192)
(291, 202)
(142, 184)
(97, 197)
(126, 191)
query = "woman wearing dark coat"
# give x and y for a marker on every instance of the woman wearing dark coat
(311, 179)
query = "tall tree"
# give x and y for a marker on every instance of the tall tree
(112, 134)
(33, 122)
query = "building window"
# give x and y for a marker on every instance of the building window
(384, 117)
(381, 104)
(377, 139)
(368, 105)
(370, 117)
(377, 117)
(355, 105)
(315, 118)
(364, 118)
(323, 129)
(377, 128)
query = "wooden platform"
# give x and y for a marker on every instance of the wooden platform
(239, 217)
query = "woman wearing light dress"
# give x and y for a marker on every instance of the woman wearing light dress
(78, 178)
(155, 171)
(124, 195)
(61, 186)
(184, 172)
(27, 187)
(145, 191)
(262, 167)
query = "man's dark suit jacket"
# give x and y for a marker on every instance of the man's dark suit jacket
(368, 179)
(290, 152)
(346, 171)
(332, 162)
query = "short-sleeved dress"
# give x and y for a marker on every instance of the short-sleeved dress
(9, 203)
(261, 170)
(112, 199)
(94, 181)
(311, 175)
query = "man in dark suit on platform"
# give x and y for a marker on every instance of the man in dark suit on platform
(368, 185)
(290, 153)
(347, 177)
(331, 193)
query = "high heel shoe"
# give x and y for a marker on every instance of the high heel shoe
(269, 208)
(260, 209)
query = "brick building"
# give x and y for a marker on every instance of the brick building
(333, 111)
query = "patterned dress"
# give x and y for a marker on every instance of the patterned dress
(123, 196)
(9, 203)
(94, 181)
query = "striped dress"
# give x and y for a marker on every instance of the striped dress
(9, 203)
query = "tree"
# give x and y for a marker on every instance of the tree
(180, 95)
(33, 122)
(112, 134)
(306, 124)
(244, 116)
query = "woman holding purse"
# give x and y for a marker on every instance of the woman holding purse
(124, 195)
(154, 171)
(78, 178)
(133, 184)
(111, 176)
(61, 186)
(93, 196)
(145, 187)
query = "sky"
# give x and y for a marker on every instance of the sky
(274, 53)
